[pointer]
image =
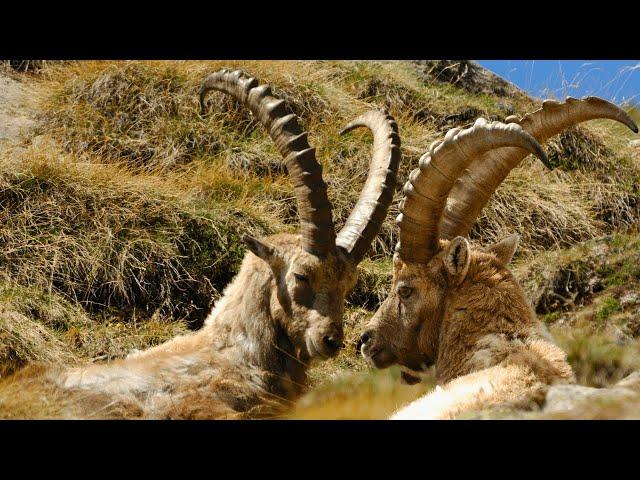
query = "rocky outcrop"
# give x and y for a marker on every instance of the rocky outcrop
(466, 74)
(622, 400)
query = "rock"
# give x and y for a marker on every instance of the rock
(566, 397)
(468, 75)
(631, 382)
(634, 143)
(630, 298)
(579, 399)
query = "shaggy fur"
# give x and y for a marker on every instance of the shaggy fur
(249, 359)
(465, 313)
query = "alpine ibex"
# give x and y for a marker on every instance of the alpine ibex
(459, 307)
(283, 309)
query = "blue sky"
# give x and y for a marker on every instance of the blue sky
(615, 80)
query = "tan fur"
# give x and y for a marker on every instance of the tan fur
(479, 330)
(249, 359)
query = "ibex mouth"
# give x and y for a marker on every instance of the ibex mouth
(379, 358)
(415, 373)
(410, 379)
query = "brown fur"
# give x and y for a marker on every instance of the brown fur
(467, 315)
(249, 359)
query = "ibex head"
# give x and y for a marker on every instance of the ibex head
(436, 274)
(314, 271)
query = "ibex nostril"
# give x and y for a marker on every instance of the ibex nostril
(366, 336)
(332, 343)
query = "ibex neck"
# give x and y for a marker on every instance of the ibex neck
(472, 330)
(244, 329)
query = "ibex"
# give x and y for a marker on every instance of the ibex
(283, 309)
(458, 307)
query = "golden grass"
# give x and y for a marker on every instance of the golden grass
(39, 326)
(107, 237)
(145, 114)
(366, 395)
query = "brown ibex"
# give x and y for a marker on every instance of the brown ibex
(459, 307)
(283, 309)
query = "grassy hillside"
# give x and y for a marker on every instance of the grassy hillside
(122, 211)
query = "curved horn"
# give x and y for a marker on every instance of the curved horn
(377, 194)
(472, 191)
(429, 185)
(314, 209)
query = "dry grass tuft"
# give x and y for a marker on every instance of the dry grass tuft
(146, 114)
(105, 238)
(38, 326)
(374, 281)
(541, 206)
(577, 149)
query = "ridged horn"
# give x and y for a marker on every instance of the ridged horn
(429, 185)
(369, 213)
(314, 209)
(472, 191)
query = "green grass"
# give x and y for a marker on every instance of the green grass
(550, 317)
(622, 268)
(596, 358)
(609, 307)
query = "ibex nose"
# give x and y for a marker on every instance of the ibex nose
(366, 336)
(332, 342)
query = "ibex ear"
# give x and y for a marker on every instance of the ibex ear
(505, 248)
(457, 259)
(264, 250)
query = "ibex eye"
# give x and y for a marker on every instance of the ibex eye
(300, 278)
(404, 291)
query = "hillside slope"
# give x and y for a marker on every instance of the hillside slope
(122, 207)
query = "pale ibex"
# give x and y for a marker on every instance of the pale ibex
(459, 307)
(283, 309)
